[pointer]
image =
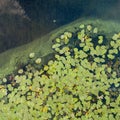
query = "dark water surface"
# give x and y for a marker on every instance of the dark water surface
(47, 15)
(54, 13)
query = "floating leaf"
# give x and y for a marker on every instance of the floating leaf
(95, 30)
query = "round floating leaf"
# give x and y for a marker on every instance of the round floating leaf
(32, 55)
(109, 70)
(95, 30)
(89, 27)
(110, 56)
(86, 48)
(115, 37)
(82, 44)
(4, 80)
(82, 26)
(112, 43)
(100, 41)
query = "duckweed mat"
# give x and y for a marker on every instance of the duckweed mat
(73, 73)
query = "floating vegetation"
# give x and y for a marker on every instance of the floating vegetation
(38, 61)
(82, 81)
(31, 55)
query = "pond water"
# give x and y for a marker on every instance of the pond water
(50, 14)
(71, 73)
(44, 16)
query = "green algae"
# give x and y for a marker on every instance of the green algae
(12, 59)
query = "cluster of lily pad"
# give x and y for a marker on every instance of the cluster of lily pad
(82, 81)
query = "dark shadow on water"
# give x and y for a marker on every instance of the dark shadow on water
(47, 15)
(51, 14)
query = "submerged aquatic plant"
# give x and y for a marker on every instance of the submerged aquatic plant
(81, 82)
